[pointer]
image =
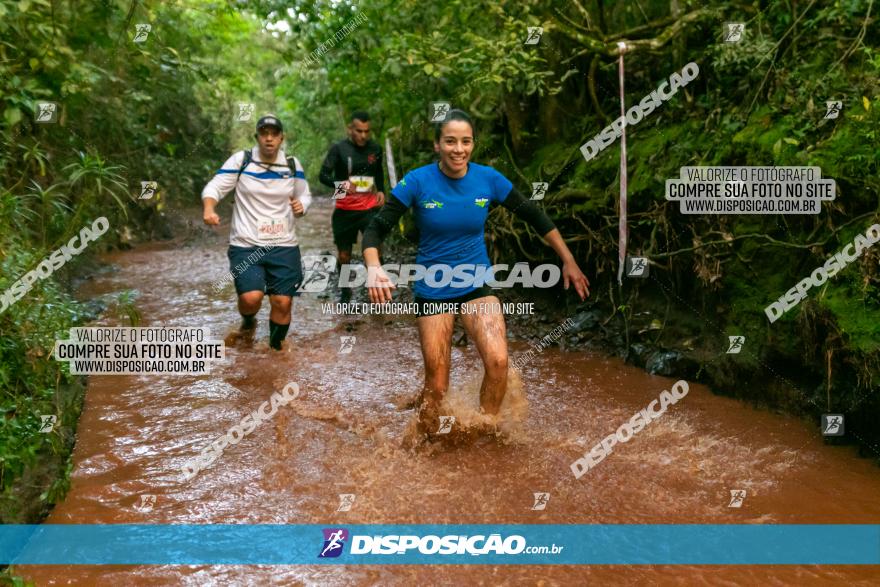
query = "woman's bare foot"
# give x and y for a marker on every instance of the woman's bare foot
(428, 418)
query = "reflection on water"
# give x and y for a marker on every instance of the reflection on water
(344, 433)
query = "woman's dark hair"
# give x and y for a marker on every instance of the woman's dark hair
(450, 116)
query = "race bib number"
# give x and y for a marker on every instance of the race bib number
(272, 228)
(362, 183)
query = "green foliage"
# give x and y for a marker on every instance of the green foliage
(126, 309)
(162, 110)
(758, 102)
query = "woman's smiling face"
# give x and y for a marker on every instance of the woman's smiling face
(455, 147)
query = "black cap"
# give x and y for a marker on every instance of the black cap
(270, 120)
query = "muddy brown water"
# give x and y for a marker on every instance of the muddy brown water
(343, 435)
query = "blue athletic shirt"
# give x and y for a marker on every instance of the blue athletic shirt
(451, 215)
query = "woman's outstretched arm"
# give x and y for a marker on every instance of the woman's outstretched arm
(537, 219)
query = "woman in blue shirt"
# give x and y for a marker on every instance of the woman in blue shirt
(451, 201)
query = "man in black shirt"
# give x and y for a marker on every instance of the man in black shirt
(353, 167)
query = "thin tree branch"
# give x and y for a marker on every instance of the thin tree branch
(591, 86)
(858, 40)
(608, 47)
(764, 237)
(582, 28)
(584, 13)
(773, 52)
(128, 18)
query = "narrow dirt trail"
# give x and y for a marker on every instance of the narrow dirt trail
(343, 434)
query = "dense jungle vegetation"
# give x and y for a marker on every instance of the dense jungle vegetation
(165, 110)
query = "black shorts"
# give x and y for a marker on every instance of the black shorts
(272, 270)
(431, 307)
(347, 224)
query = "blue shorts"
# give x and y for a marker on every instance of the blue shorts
(272, 270)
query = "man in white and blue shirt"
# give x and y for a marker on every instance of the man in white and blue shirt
(270, 193)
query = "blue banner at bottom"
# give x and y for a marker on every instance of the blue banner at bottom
(523, 544)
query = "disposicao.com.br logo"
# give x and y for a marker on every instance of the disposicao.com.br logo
(334, 542)
(393, 544)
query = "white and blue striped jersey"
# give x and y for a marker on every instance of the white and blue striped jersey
(261, 214)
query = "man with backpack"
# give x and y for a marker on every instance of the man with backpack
(270, 192)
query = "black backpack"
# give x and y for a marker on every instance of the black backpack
(248, 157)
